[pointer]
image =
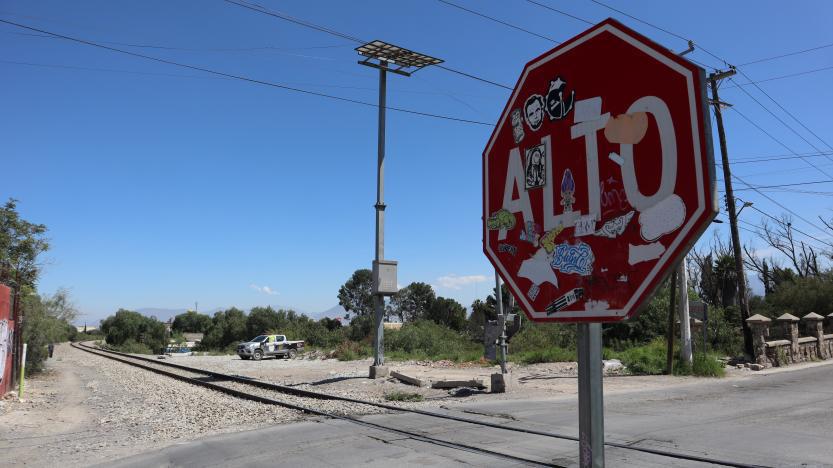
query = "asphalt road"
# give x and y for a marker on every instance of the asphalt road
(772, 419)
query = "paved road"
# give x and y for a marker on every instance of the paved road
(774, 419)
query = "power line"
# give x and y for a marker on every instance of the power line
(756, 160)
(482, 15)
(788, 113)
(785, 55)
(333, 32)
(191, 49)
(560, 12)
(782, 77)
(756, 187)
(243, 78)
(784, 208)
(779, 141)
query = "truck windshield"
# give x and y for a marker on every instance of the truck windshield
(260, 338)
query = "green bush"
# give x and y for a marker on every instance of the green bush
(352, 351)
(127, 325)
(131, 346)
(650, 359)
(425, 339)
(551, 354)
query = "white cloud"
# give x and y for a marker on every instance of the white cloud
(453, 281)
(264, 289)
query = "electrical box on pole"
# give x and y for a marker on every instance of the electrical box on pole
(384, 277)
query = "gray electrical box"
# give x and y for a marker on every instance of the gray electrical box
(384, 277)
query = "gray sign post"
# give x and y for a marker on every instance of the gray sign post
(590, 400)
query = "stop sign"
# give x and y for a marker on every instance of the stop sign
(598, 176)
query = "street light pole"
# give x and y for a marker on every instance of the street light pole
(378, 299)
(387, 58)
(730, 206)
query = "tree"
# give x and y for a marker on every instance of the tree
(47, 321)
(263, 319)
(21, 242)
(447, 312)
(128, 327)
(227, 327)
(412, 302)
(356, 295)
(780, 236)
(481, 312)
(191, 322)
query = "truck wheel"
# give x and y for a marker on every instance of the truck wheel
(258, 355)
(291, 354)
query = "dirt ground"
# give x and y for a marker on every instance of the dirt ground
(86, 410)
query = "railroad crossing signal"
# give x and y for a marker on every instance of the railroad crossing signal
(598, 176)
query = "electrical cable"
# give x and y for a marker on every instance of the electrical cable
(782, 77)
(785, 110)
(767, 59)
(307, 24)
(780, 142)
(477, 13)
(785, 209)
(561, 12)
(251, 80)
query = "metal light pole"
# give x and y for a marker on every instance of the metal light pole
(394, 59)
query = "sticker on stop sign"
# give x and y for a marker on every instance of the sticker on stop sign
(598, 177)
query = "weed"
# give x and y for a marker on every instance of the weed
(403, 396)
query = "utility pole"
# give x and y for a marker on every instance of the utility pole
(685, 323)
(387, 58)
(672, 295)
(743, 301)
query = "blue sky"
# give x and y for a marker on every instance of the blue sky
(162, 186)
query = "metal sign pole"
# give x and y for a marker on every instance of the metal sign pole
(590, 400)
(501, 321)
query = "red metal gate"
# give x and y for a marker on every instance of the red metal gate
(6, 339)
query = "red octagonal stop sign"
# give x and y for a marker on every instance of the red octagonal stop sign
(598, 177)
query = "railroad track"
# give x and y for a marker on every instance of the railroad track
(306, 401)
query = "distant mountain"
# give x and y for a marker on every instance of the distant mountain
(332, 312)
(161, 314)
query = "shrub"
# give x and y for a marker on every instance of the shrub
(425, 339)
(131, 346)
(551, 354)
(650, 359)
(403, 396)
(352, 351)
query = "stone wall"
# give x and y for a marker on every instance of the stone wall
(794, 348)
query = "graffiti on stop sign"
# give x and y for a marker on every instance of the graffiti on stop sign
(597, 176)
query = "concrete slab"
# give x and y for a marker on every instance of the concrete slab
(458, 383)
(410, 380)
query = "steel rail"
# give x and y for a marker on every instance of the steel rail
(304, 409)
(324, 396)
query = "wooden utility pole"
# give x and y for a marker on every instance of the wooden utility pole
(743, 300)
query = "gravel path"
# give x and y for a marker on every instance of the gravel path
(111, 410)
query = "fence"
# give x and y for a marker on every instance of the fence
(790, 347)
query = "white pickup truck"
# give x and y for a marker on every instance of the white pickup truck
(269, 345)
